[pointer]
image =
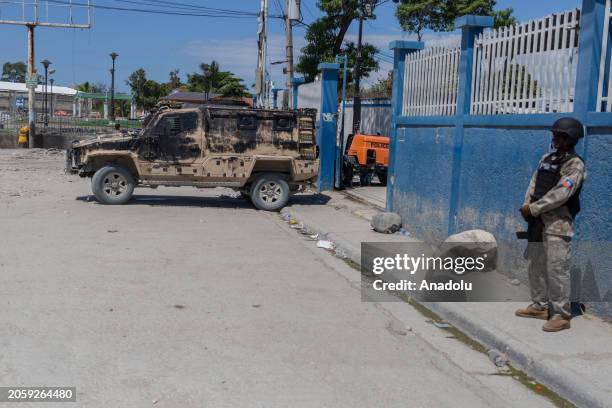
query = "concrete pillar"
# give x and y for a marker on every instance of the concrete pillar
(470, 26)
(106, 107)
(328, 113)
(296, 83)
(400, 50)
(133, 109)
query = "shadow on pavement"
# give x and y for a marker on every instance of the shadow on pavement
(215, 202)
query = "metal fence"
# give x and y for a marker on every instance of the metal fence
(527, 68)
(604, 88)
(431, 82)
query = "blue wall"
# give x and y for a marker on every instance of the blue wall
(450, 174)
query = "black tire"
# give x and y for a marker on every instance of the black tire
(270, 192)
(112, 185)
(347, 175)
(382, 177)
(365, 179)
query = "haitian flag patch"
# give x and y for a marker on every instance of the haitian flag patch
(567, 183)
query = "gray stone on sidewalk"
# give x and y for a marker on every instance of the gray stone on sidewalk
(386, 223)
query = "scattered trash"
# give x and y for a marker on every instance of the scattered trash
(538, 388)
(314, 236)
(255, 306)
(404, 232)
(296, 224)
(180, 306)
(497, 357)
(442, 325)
(515, 282)
(112, 231)
(325, 245)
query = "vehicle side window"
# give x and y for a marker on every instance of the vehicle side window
(247, 122)
(283, 123)
(179, 123)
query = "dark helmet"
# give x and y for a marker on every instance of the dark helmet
(570, 127)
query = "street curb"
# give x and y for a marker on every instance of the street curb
(555, 377)
(349, 193)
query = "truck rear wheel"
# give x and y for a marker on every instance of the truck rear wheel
(382, 177)
(270, 192)
(112, 185)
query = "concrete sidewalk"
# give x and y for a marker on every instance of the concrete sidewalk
(576, 363)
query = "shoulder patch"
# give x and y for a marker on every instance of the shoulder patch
(567, 183)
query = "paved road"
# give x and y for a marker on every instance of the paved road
(186, 299)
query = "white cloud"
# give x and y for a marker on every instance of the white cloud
(240, 55)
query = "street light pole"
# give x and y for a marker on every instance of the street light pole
(113, 56)
(51, 104)
(46, 64)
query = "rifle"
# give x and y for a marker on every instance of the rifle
(535, 228)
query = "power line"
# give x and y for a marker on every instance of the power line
(212, 14)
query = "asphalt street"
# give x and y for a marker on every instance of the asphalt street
(192, 298)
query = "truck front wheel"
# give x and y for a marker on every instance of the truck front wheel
(112, 185)
(270, 192)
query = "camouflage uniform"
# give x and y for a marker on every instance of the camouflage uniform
(549, 269)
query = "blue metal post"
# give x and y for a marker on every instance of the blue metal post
(589, 56)
(470, 26)
(296, 83)
(328, 113)
(400, 50)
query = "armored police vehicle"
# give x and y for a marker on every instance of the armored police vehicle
(265, 154)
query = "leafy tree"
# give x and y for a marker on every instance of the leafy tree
(14, 71)
(326, 39)
(211, 79)
(174, 82)
(146, 91)
(415, 16)
(381, 89)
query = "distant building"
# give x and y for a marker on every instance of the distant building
(14, 97)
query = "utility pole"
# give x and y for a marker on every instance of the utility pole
(293, 13)
(366, 8)
(113, 56)
(357, 74)
(262, 45)
(25, 6)
(31, 87)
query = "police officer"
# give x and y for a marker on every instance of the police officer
(553, 200)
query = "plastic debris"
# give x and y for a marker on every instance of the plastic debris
(497, 357)
(442, 325)
(515, 282)
(404, 232)
(325, 245)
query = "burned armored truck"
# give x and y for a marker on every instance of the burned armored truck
(265, 154)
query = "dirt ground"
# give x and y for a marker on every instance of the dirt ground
(187, 298)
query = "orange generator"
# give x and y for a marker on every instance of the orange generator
(366, 155)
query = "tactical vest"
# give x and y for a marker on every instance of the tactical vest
(548, 176)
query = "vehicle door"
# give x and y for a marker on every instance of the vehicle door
(173, 146)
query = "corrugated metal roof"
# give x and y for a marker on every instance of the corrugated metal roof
(20, 87)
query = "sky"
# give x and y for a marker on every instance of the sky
(161, 43)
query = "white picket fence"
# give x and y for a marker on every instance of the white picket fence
(431, 82)
(527, 68)
(604, 92)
